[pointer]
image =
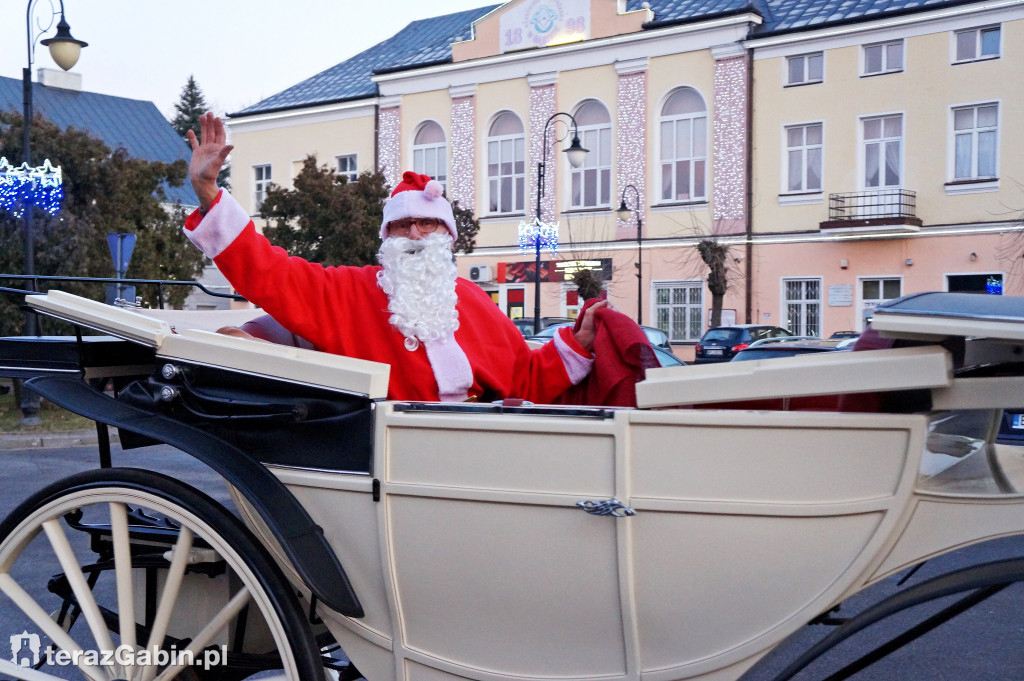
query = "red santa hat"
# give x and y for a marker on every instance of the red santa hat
(418, 196)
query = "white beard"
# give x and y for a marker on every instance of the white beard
(419, 280)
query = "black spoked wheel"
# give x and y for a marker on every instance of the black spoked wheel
(149, 579)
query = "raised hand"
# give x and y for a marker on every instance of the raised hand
(208, 154)
(585, 336)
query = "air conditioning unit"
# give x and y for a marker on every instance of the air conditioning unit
(480, 273)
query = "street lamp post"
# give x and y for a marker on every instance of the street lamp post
(576, 153)
(65, 51)
(623, 212)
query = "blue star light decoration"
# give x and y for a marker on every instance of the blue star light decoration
(534, 232)
(27, 185)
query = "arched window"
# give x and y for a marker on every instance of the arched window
(591, 182)
(429, 152)
(506, 164)
(684, 147)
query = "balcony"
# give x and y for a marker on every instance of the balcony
(880, 209)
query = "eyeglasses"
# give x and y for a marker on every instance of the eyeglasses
(404, 226)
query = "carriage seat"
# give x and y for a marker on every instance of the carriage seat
(269, 329)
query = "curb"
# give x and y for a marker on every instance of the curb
(41, 440)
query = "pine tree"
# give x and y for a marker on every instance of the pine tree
(190, 107)
(329, 220)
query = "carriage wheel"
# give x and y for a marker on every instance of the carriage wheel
(167, 570)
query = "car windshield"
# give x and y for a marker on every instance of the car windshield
(765, 353)
(655, 336)
(727, 335)
(549, 332)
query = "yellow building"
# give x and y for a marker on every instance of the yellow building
(749, 126)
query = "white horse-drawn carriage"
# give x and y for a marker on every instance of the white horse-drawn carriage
(683, 539)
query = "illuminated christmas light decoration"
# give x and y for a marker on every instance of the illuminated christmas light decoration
(994, 286)
(536, 232)
(389, 144)
(462, 183)
(27, 185)
(730, 139)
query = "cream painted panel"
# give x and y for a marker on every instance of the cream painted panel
(940, 524)
(550, 462)
(420, 672)
(467, 574)
(349, 522)
(693, 570)
(733, 462)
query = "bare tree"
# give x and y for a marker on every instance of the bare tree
(714, 256)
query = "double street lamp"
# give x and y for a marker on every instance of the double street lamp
(623, 212)
(576, 153)
(65, 50)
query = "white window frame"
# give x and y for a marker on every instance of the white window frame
(350, 160)
(805, 78)
(803, 303)
(692, 312)
(600, 165)
(886, 67)
(439, 169)
(973, 134)
(978, 32)
(863, 302)
(804, 150)
(690, 120)
(518, 198)
(262, 176)
(862, 154)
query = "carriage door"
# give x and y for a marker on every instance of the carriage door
(493, 567)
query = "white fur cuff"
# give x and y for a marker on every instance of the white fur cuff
(576, 365)
(220, 226)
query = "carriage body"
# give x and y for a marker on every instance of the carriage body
(680, 540)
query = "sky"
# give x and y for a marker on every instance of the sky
(239, 51)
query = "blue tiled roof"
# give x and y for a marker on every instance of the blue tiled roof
(133, 124)
(795, 15)
(426, 41)
(680, 11)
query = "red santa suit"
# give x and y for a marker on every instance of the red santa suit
(342, 310)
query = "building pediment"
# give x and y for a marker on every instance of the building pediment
(534, 24)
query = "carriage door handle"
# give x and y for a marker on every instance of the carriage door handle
(607, 507)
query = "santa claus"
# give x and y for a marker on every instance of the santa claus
(444, 338)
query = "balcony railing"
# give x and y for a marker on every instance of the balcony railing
(877, 208)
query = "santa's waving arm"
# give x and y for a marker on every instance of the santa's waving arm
(208, 155)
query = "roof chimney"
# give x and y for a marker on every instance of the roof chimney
(66, 80)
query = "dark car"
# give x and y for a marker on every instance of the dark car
(656, 337)
(1011, 427)
(845, 334)
(792, 348)
(721, 343)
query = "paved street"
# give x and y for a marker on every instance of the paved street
(984, 644)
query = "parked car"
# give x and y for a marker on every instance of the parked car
(667, 359)
(1011, 427)
(721, 343)
(656, 337)
(845, 334)
(782, 347)
(525, 324)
